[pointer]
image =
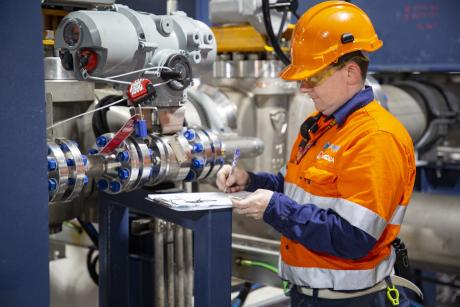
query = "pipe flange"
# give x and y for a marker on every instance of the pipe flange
(60, 174)
(77, 170)
(145, 163)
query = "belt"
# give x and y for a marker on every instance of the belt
(335, 295)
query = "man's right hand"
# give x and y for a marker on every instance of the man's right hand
(237, 181)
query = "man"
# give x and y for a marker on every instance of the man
(340, 201)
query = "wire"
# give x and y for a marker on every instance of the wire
(264, 265)
(157, 68)
(83, 114)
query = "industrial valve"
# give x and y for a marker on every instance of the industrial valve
(193, 154)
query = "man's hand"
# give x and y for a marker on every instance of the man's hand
(237, 181)
(254, 205)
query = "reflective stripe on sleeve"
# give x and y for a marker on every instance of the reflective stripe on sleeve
(337, 279)
(357, 215)
(283, 171)
(398, 215)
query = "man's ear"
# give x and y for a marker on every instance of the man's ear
(353, 73)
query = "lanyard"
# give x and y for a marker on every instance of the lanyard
(305, 145)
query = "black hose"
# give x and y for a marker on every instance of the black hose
(271, 34)
(99, 121)
(90, 231)
(92, 260)
(241, 298)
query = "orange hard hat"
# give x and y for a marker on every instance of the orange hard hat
(324, 33)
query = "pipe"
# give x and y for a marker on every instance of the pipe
(171, 6)
(249, 147)
(170, 264)
(188, 249)
(180, 272)
(158, 244)
(431, 230)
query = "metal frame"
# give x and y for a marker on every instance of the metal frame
(211, 244)
(24, 276)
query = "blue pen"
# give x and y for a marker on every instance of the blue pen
(236, 157)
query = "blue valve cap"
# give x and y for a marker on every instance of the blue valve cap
(101, 141)
(198, 163)
(115, 186)
(123, 173)
(189, 134)
(123, 156)
(198, 147)
(52, 164)
(85, 160)
(70, 162)
(102, 184)
(141, 128)
(52, 185)
(92, 151)
(85, 180)
(71, 181)
(64, 147)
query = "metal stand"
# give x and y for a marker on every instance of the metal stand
(211, 247)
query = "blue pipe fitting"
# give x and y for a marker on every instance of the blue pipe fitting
(85, 180)
(71, 181)
(92, 151)
(101, 141)
(52, 164)
(102, 184)
(52, 184)
(123, 173)
(115, 186)
(198, 147)
(189, 134)
(221, 161)
(197, 163)
(141, 128)
(70, 162)
(85, 160)
(123, 156)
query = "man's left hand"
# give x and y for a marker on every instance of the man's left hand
(254, 205)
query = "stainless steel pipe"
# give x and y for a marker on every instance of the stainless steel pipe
(170, 264)
(180, 270)
(188, 251)
(158, 245)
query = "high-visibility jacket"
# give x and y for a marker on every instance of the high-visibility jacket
(340, 207)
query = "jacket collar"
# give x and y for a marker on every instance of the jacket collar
(361, 99)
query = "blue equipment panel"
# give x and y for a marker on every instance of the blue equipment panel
(418, 35)
(24, 279)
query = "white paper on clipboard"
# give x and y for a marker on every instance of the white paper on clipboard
(196, 201)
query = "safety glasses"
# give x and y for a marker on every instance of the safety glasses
(320, 77)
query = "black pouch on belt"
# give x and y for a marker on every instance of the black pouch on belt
(402, 265)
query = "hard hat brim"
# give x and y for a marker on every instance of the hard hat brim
(298, 72)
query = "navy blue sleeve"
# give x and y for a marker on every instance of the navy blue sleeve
(266, 181)
(317, 229)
